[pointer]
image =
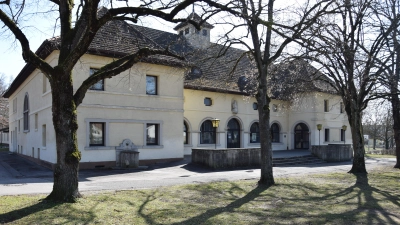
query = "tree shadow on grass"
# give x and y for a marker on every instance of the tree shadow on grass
(250, 196)
(366, 203)
(29, 210)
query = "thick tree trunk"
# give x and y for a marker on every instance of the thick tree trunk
(358, 143)
(65, 186)
(396, 126)
(267, 177)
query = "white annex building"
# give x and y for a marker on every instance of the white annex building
(166, 109)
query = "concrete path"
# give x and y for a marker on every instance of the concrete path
(20, 176)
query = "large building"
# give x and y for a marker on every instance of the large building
(164, 108)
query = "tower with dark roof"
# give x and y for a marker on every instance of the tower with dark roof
(196, 38)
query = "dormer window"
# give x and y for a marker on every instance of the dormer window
(186, 30)
(204, 32)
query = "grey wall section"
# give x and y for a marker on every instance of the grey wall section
(333, 153)
(227, 158)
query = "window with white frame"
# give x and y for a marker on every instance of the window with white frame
(99, 86)
(36, 121)
(275, 133)
(26, 112)
(96, 134)
(15, 105)
(44, 83)
(326, 105)
(255, 133)
(341, 107)
(44, 135)
(326, 135)
(151, 85)
(152, 134)
(207, 133)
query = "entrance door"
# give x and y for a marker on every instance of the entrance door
(233, 134)
(301, 136)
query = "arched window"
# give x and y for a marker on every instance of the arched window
(275, 132)
(26, 112)
(185, 133)
(207, 133)
(255, 133)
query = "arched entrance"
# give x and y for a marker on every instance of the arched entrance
(233, 134)
(301, 136)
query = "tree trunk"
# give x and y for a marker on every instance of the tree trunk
(65, 186)
(267, 177)
(396, 126)
(358, 143)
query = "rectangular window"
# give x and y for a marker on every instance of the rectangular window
(204, 32)
(342, 135)
(151, 85)
(255, 105)
(152, 134)
(99, 86)
(15, 105)
(19, 125)
(44, 83)
(44, 135)
(186, 30)
(341, 107)
(207, 101)
(96, 134)
(36, 121)
(326, 135)
(326, 105)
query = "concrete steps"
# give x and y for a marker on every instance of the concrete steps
(297, 160)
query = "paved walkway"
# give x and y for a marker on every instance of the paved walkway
(20, 176)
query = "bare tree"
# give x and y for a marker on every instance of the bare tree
(348, 49)
(73, 42)
(387, 13)
(265, 39)
(3, 102)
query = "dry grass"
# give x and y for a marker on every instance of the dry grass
(337, 198)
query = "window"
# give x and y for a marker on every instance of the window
(15, 105)
(19, 125)
(255, 105)
(207, 133)
(275, 132)
(44, 135)
(152, 136)
(204, 32)
(255, 133)
(44, 83)
(151, 85)
(275, 107)
(36, 121)
(185, 133)
(99, 86)
(197, 31)
(96, 134)
(26, 112)
(181, 32)
(326, 105)
(326, 135)
(342, 135)
(186, 30)
(341, 107)
(207, 101)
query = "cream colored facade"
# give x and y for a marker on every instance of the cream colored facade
(125, 109)
(309, 111)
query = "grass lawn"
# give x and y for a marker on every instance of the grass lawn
(379, 156)
(336, 198)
